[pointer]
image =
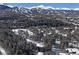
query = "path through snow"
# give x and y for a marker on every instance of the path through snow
(37, 44)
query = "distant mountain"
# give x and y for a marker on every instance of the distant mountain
(36, 16)
(46, 10)
(51, 7)
(3, 7)
(40, 9)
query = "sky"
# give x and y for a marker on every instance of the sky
(57, 5)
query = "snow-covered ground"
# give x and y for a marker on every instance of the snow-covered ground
(72, 31)
(66, 28)
(53, 28)
(44, 34)
(71, 50)
(58, 32)
(28, 40)
(34, 42)
(2, 50)
(63, 54)
(16, 31)
(49, 33)
(29, 32)
(57, 42)
(40, 53)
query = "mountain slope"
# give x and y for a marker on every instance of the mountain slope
(3, 7)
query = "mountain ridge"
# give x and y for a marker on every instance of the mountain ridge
(42, 7)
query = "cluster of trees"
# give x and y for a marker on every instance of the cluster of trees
(40, 25)
(14, 44)
(22, 20)
(17, 44)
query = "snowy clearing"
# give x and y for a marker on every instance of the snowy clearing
(16, 31)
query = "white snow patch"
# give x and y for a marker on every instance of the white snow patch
(65, 8)
(50, 33)
(57, 42)
(55, 8)
(10, 6)
(76, 8)
(16, 30)
(73, 50)
(40, 44)
(64, 35)
(2, 50)
(72, 31)
(65, 28)
(29, 32)
(40, 53)
(53, 28)
(44, 34)
(42, 6)
(37, 44)
(62, 54)
(42, 31)
(56, 31)
(76, 28)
